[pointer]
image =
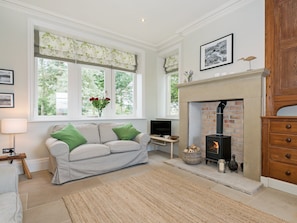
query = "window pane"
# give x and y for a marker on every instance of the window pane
(173, 97)
(52, 77)
(92, 86)
(124, 93)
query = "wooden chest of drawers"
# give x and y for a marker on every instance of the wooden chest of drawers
(279, 148)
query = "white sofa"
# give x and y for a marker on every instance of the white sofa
(10, 203)
(103, 152)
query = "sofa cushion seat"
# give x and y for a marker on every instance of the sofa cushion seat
(120, 146)
(10, 207)
(87, 151)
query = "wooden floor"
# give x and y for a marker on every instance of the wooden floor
(42, 200)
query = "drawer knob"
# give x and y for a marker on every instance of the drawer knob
(288, 173)
(288, 155)
(288, 139)
(288, 126)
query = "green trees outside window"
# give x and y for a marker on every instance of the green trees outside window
(172, 95)
(52, 80)
(92, 86)
(59, 82)
(124, 93)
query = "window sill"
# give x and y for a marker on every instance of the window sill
(168, 118)
(86, 119)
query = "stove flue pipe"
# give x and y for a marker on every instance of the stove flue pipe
(220, 117)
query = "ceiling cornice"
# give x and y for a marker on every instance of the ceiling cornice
(32, 11)
(50, 16)
(229, 7)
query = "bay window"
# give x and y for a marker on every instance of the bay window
(69, 72)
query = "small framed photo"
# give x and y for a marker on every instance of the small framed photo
(6, 76)
(6, 100)
(216, 53)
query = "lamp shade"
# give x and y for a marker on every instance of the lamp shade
(18, 125)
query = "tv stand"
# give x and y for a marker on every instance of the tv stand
(162, 141)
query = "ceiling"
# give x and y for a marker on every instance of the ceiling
(164, 20)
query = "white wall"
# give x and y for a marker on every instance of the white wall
(14, 26)
(247, 25)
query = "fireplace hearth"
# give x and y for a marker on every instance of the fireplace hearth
(218, 146)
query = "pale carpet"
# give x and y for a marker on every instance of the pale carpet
(158, 196)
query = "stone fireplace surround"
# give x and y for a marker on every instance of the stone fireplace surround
(249, 86)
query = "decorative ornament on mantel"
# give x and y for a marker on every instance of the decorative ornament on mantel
(249, 59)
(189, 76)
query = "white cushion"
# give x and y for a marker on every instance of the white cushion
(120, 146)
(106, 132)
(87, 151)
(89, 131)
(10, 208)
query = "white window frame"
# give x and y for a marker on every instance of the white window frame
(163, 101)
(168, 94)
(113, 90)
(73, 106)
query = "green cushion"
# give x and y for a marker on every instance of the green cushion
(70, 135)
(126, 132)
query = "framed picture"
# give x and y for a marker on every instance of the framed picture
(6, 100)
(216, 53)
(6, 76)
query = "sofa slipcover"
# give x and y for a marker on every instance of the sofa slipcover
(103, 152)
(10, 203)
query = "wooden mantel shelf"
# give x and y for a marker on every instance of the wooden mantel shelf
(247, 74)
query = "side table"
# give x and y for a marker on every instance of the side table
(19, 156)
(162, 141)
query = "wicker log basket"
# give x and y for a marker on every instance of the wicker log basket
(192, 155)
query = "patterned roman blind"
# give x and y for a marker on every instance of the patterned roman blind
(171, 64)
(49, 45)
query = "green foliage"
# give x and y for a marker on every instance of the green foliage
(124, 93)
(53, 89)
(173, 94)
(92, 85)
(52, 78)
(173, 88)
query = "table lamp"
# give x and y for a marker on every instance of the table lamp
(13, 126)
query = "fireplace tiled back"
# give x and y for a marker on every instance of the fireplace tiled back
(232, 125)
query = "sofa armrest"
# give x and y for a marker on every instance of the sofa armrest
(142, 138)
(9, 179)
(57, 147)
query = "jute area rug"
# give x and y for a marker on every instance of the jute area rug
(158, 196)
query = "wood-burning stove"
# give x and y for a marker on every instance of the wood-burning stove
(218, 146)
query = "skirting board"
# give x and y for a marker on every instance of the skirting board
(279, 185)
(33, 165)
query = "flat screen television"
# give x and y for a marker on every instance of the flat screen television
(160, 128)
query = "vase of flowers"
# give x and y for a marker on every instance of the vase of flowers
(99, 104)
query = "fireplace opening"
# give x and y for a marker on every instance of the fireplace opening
(218, 146)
